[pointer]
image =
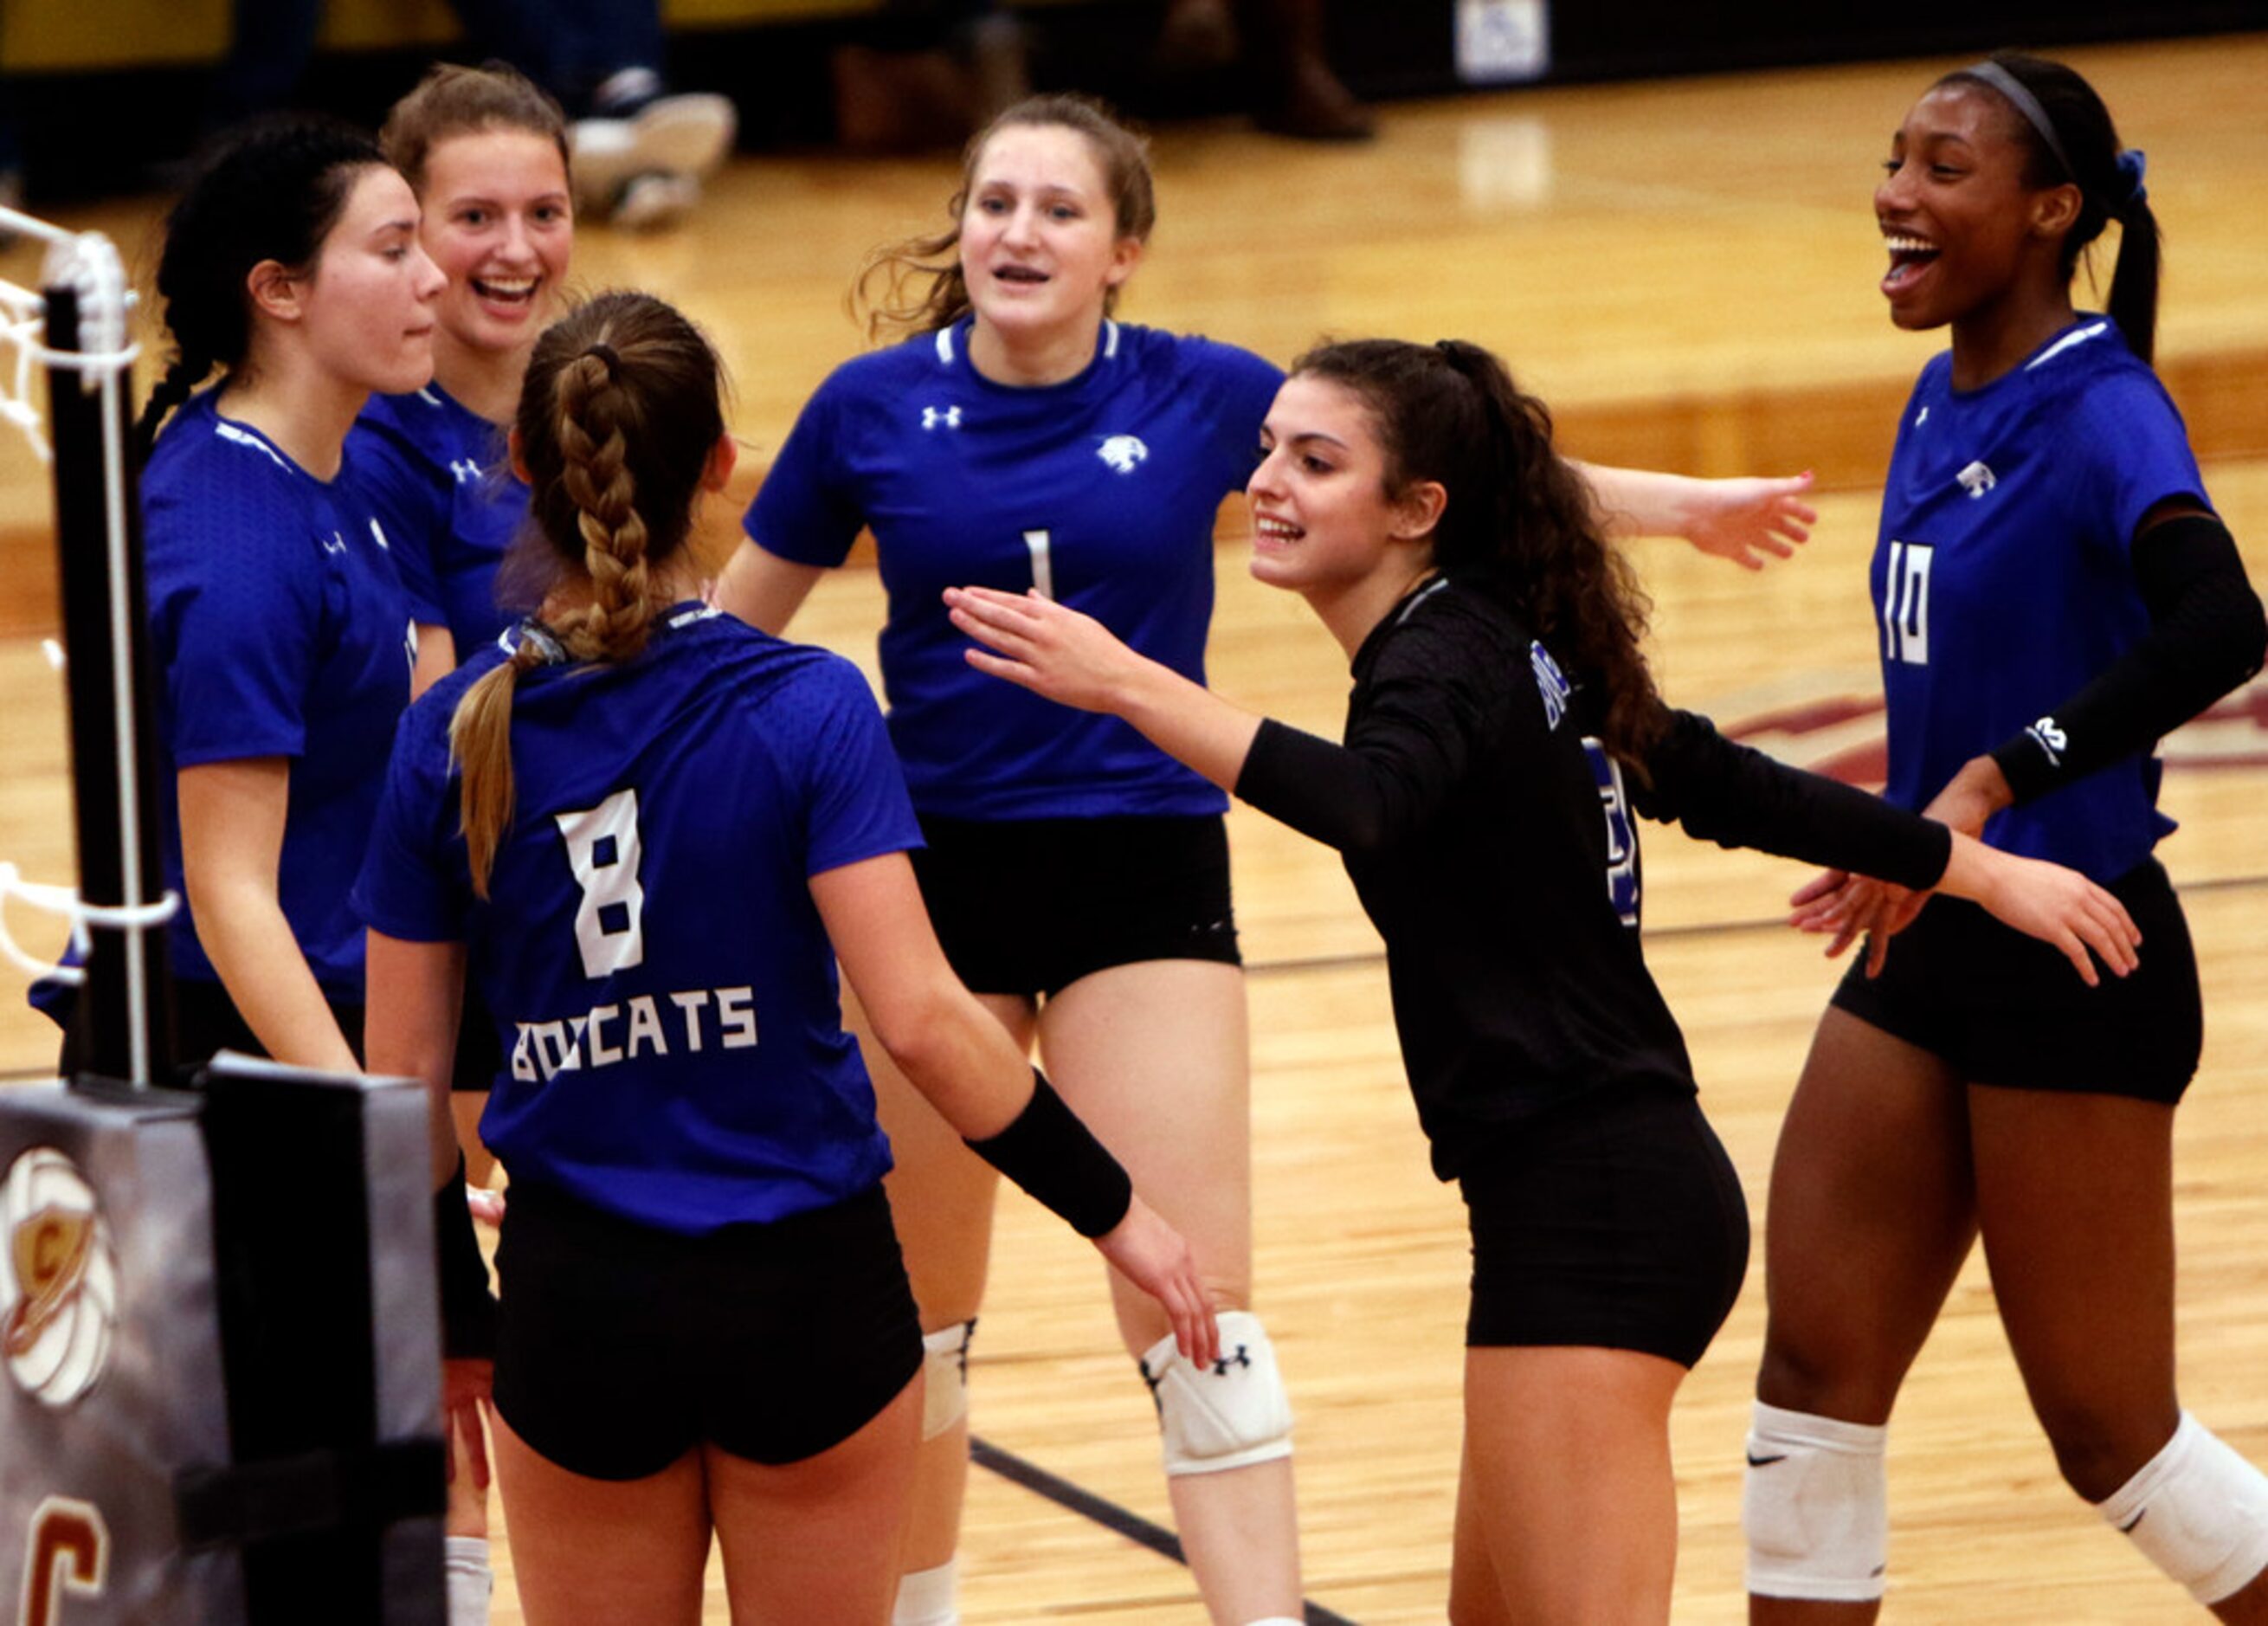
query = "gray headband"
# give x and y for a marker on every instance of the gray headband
(2024, 102)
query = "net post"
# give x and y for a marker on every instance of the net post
(127, 1013)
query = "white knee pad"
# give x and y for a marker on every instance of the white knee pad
(468, 1579)
(1229, 1415)
(1815, 1505)
(945, 1358)
(929, 1597)
(2198, 1512)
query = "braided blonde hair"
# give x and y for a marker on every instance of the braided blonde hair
(620, 411)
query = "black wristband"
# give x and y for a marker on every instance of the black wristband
(1048, 1152)
(469, 1310)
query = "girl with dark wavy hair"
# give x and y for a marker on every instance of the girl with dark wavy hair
(1021, 434)
(1503, 732)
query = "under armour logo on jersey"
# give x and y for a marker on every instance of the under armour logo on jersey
(335, 543)
(950, 417)
(1242, 1357)
(1551, 683)
(464, 468)
(1122, 453)
(1977, 479)
(2052, 739)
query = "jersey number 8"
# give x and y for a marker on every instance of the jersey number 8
(603, 851)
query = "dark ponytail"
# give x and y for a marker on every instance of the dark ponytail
(272, 191)
(2081, 146)
(1519, 523)
(619, 413)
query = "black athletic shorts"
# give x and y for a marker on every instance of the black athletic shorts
(2005, 1008)
(1614, 1221)
(620, 1347)
(1029, 906)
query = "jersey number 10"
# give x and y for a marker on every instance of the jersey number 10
(1905, 604)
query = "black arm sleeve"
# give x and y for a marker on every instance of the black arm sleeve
(1054, 1157)
(1737, 796)
(1320, 789)
(2205, 638)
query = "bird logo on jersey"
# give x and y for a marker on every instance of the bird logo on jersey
(1122, 452)
(950, 417)
(58, 1279)
(1977, 480)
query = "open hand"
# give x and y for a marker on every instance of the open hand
(1743, 520)
(2056, 905)
(1852, 906)
(1153, 1255)
(1041, 646)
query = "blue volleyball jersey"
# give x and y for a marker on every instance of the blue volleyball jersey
(443, 485)
(279, 629)
(661, 981)
(2003, 579)
(1102, 490)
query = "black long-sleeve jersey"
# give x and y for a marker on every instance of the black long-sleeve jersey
(1488, 834)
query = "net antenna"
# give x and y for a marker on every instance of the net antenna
(74, 329)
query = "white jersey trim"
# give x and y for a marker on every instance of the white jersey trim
(2064, 343)
(945, 347)
(227, 431)
(1109, 340)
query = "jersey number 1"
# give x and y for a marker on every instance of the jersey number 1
(1043, 570)
(602, 849)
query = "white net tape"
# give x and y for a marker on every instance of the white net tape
(85, 262)
(64, 900)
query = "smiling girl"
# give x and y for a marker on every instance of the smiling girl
(486, 152)
(1501, 706)
(2055, 594)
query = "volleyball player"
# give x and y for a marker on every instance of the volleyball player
(2055, 594)
(640, 832)
(281, 634)
(1503, 730)
(1024, 437)
(486, 152)
(282, 638)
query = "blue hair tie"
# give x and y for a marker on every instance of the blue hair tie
(2131, 166)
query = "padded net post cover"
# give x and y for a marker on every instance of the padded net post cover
(331, 1344)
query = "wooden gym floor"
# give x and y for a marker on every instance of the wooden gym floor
(1686, 272)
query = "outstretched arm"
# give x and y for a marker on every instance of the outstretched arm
(1037, 644)
(1735, 796)
(1740, 519)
